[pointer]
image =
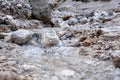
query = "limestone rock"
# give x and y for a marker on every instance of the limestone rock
(49, 38)
(20, 36)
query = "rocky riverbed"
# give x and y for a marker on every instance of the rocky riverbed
(80, 40)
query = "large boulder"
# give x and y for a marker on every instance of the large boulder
(41, 10)
(20, 36)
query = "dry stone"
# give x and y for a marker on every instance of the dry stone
(49, 38)
(20, 36)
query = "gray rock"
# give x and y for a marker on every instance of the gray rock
(49, 38)
(41, 10)
(20, 36)
(72, 21)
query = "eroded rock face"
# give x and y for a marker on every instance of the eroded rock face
(20, 36)
(41, 10)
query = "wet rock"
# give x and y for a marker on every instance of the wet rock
(20, 36)
(49, 38)
(41, 10)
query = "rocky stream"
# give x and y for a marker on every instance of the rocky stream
(59, 40)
